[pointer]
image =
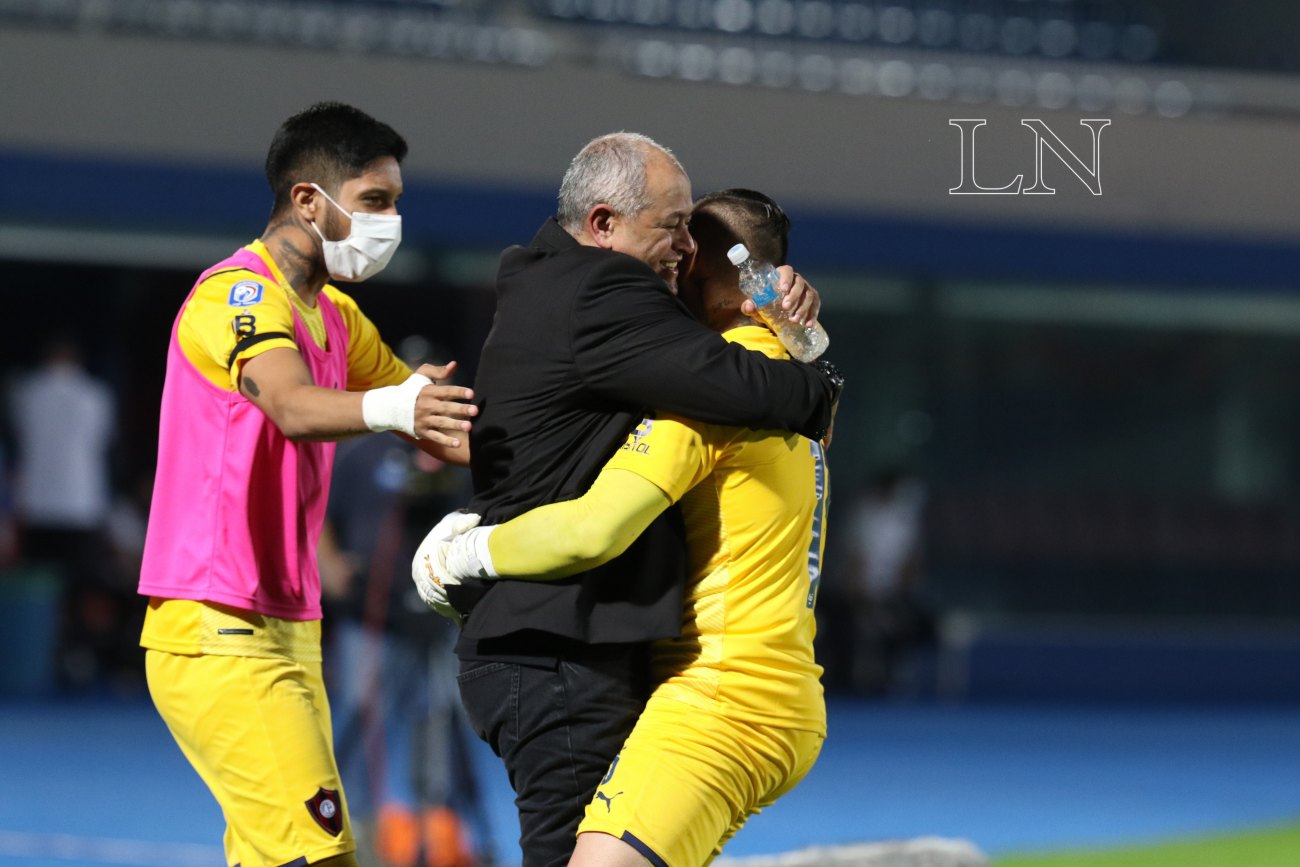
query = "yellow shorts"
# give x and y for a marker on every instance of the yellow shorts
(258, 733)
(687, 779)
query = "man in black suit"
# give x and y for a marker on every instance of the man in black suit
(587, 338)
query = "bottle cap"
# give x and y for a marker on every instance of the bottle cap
(738, 254)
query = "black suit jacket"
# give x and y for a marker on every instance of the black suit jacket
(584, 343)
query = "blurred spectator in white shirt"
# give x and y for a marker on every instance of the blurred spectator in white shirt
(64, 422)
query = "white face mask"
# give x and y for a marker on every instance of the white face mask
(367, 248)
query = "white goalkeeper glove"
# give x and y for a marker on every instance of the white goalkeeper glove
(393, 406)
(441, 563)
(467, 555)
(429, 568)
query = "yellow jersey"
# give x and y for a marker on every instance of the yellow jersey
(229, 306)
(754, 504)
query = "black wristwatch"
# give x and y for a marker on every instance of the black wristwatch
(832, 373)
(836, 378)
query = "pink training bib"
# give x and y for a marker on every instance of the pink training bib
(238, 508)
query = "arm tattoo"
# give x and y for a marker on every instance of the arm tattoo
(251, 387)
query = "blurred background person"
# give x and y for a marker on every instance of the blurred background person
(64, 423)
(400, 737)
(881, 613)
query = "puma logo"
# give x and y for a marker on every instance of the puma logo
(609, 802)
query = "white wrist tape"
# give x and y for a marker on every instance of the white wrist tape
(393, 406)
(468, 555)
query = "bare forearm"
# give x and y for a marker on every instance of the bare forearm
(308, 413)
(281, 386)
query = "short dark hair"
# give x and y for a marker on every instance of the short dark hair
(755, 218)
(327, 144)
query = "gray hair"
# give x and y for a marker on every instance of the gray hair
(609, 170)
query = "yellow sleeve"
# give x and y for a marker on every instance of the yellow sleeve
(661, 460)
(672, 452)
(371, 363)
(233, 316)
(570, 537)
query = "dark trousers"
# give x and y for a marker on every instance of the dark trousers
(557, 727)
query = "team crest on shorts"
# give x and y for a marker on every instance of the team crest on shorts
(326, 807)
(245, 293)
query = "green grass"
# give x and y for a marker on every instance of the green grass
(1272, 847)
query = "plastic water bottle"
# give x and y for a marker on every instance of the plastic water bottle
(759, 280)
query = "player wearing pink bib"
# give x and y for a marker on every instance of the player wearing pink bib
(267, 365)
